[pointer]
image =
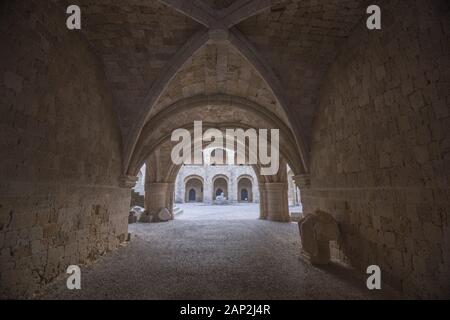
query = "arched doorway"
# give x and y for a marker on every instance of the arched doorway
(220, 186)
(244, 195)
(245, 189)
(193, 189)
(192, 195)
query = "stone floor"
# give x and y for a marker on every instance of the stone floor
(213, 253)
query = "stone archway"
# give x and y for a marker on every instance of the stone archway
(245, 189)
(218, 112)
(220, 185)
(271, 190)
(193, 189)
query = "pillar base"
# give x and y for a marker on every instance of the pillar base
(158, 196)
(145, 218)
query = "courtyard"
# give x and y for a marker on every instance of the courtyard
(200, 211)
(238, 211)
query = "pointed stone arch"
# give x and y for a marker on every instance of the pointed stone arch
(245, 187)
(198, 40)
(159, 128)
(230, 35)
(196, 184)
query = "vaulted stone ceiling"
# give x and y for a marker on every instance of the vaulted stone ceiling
(217, 112)
(218, 4)
(135, 40)
(299, 40)
(219, 69)
(272, 52)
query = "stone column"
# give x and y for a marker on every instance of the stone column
(157, 196)
(180, 192)
(170, 198)
(255, 191)
(232, 188)
(262, 201)
(277, 201)
(207, 187)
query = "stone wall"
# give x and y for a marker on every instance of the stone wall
(380, 160)
(60, 162)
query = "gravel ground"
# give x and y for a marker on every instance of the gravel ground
(213, 253)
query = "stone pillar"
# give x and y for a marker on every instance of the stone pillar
(232, 188)
(157, 196)
(255, 191)
(207, 187)
(128, 182)
(170, 198)
(277, 201)
(262, 201)
(180, 192)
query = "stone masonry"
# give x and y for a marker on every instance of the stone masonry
(232, 175)
(61, 201)
(363, 119)
(380, 161)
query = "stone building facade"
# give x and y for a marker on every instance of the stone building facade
(205, 183)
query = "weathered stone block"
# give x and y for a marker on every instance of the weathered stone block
(316, 231)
